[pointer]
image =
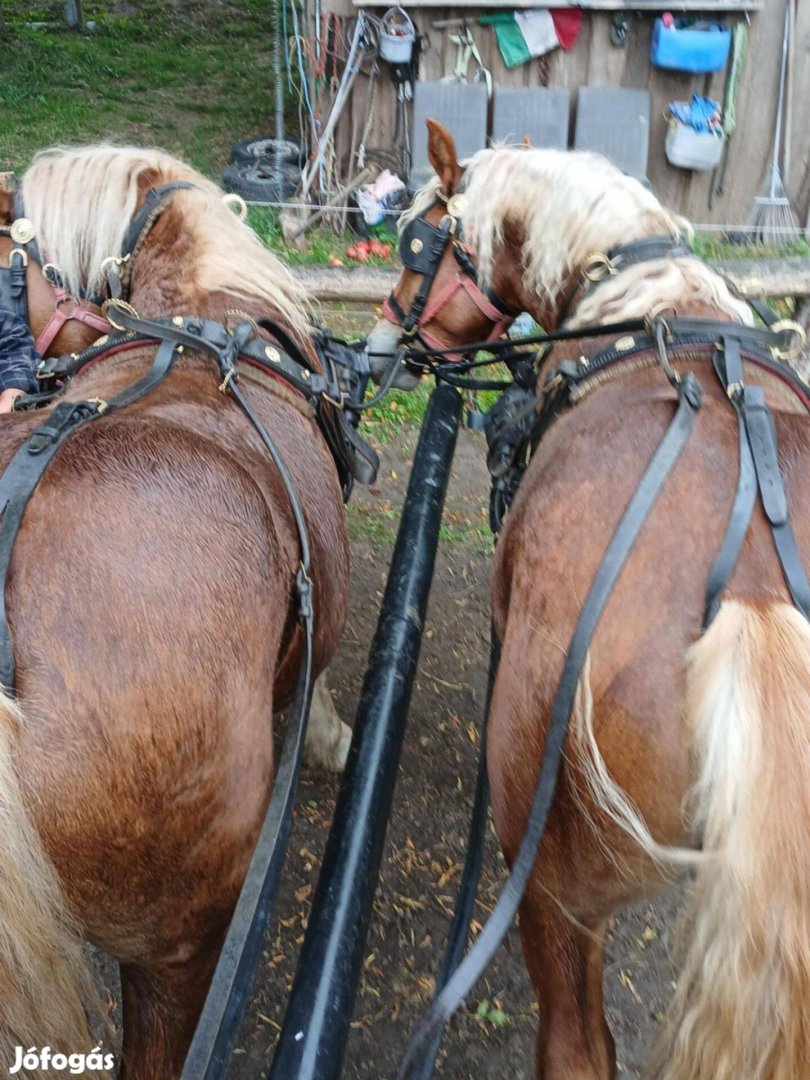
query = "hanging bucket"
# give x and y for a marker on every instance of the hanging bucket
(397, 36)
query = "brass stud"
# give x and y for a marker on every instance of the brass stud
(177, 320)
(272, 354)
(416, 245)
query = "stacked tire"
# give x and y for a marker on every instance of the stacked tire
(264, 169)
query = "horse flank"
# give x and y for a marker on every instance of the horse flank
(77, 233)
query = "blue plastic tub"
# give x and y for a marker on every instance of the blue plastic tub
(699, 48)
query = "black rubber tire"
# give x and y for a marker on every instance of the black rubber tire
(262, 148)
(262, 182)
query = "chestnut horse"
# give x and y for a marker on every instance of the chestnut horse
(152, 613)
(686, 748)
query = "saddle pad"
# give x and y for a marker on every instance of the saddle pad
(461, 107)
(534, 111)
(615, 123)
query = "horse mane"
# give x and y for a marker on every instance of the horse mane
(572, 204)
(81, 200)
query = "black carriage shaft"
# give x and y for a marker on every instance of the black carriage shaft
(313, 1038)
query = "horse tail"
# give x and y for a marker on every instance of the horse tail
(742, 1002)
(45, 981)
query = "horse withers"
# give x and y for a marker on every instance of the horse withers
(688, 748)
(152, 612)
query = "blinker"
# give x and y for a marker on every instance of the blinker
(418, 245)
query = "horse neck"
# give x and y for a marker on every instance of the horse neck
(686, 286)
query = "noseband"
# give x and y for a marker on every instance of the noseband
(421, 248)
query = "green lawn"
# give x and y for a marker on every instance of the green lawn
(192, 78)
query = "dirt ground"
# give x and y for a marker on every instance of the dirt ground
(425, 840)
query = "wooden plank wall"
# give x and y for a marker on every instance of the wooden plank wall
(594, 61)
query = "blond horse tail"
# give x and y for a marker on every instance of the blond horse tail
(741, 1009)
(45, 982)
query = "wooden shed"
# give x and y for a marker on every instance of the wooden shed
(612, 49)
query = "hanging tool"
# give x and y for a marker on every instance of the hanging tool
(739, 48)
(467, 51)
(773, 219)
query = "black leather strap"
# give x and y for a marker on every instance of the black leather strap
(762, 440)
(729, 369)
(156, 200)
(467, 974)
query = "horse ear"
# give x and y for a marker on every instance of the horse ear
(442, 156)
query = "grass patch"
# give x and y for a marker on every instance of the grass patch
(719, 246)
(378, 524)
(192, 78)
(399, 409)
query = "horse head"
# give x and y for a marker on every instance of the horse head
(533, 228)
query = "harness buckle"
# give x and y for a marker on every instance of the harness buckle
(23, 254)
(793, 352)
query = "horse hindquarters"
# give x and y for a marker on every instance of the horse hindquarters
(741, 1004)
(44, 980)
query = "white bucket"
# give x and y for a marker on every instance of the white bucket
(689, 149)
(397, 36)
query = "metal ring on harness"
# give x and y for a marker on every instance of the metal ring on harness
(233, 316)
(236, 204)
(52, 274)
(661, 333)
(120, 305)
(598, 266)
(791, 327)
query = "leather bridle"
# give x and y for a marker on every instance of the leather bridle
(422, 247)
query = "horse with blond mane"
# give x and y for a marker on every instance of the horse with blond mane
(60, 323)
(151, 604)
(687, 746)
